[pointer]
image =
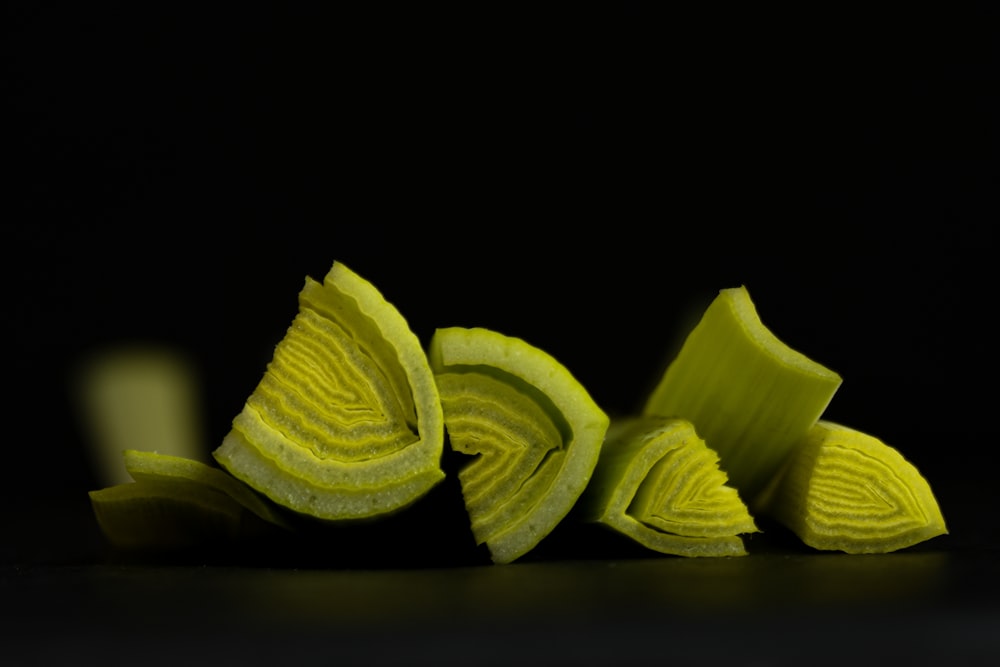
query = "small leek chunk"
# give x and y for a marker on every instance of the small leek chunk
(658, 483)
(748, 394)
(346, 423)
(176, 502)
(533, 430)
(844, 490)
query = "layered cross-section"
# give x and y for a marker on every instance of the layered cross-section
(845, 490)
(658, 483)
(532, 430)
(346, 423)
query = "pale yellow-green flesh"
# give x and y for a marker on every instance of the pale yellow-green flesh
(844, 490)
(532, 428)
(346, 423)
(749, 395)
(178, 502)
(659, 484)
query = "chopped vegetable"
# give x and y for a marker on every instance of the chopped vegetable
(346, 423)
(176, 502)
(844, 490)
(349, 420)
(658, 483)
(748, 394)
(533, 430)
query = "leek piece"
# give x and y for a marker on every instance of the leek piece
(845, 490)
(748, 394)
(658, 483)
(175, 502)
(346, 423)
(165, 515)
(532, 428)
(151, 466)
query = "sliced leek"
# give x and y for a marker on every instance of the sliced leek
(658, 483)
(151, 467)
(532, 429)
(178, 502)
(748, 394)
(346, 423)
(844, 490)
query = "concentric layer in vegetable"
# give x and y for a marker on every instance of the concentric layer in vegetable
(346, 423)
(845, 490)
(659, 484)
(532, 429)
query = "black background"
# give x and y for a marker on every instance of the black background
(586, 179)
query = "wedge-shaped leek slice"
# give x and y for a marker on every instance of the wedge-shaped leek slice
(178, 502)
(748, 394)
(346, 423)
(658, 483)
(844, 490)
(532, 428)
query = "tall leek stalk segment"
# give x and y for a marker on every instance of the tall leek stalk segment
(346, 423)
(844, 490)
(659, 484)
(749, 395)
(532, 430)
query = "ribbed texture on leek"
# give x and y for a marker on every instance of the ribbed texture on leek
(658, 483)
(749, 395)
(844, 490)
(346, 423)
(533, 430)
(178, 502)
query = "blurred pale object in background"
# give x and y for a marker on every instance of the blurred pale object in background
(138, 397)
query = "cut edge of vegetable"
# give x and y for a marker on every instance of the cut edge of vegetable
(845, 490)
(658, 483)
(278, 466)
(537, 375)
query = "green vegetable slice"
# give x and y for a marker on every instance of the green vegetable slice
(145, 466)
(532, 428)
(346, 423)
(844, 490)
(176, 502)
(748, 394)
(658, 483)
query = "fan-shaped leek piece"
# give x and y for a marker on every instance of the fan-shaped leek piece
(748, 394)
(178, 502)
(532, 428)
(346, 423)
(844, 490)
(658, 483)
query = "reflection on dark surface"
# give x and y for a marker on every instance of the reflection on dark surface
(909, 605)
(416, 589)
